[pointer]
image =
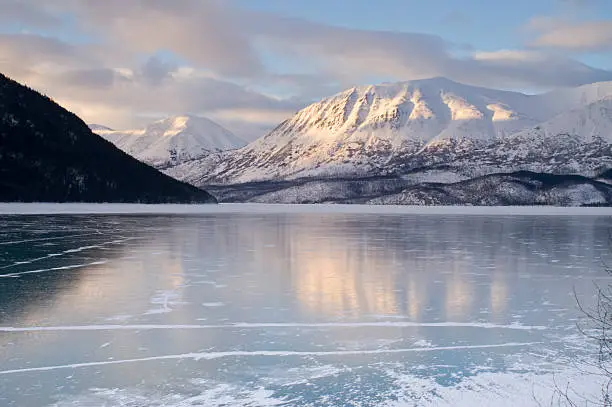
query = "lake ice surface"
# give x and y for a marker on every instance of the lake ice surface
(277, 306)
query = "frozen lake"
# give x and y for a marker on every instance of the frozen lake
(297, 306)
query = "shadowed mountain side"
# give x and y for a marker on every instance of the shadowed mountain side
(49, 154)
(518, 188)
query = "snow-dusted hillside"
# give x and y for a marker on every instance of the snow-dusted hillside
(517, 188)
(172, 141)
(566, 99)
(411, 127)
(521, 188)
(589, 123)
(578, 141)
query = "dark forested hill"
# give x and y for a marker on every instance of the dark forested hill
(49, 154)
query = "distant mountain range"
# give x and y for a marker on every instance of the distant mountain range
(48, 154)
(172, 141)
(421, 142)
(432, 131)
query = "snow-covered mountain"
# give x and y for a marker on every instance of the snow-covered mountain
(172, 141)
(434, 130)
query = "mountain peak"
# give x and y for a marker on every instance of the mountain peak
(414, 112)
(175, 139)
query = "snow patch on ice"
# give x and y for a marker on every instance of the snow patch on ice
(499, 389)
(220, 395)
(423, 343)
(213, 304)
(407, 388)
(166, 301)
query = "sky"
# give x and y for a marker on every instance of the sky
(250, 64)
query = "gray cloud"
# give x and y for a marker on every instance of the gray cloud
(205, 33)
(226, 40)
(156, 70)
(122, 100)
(28, 13)
(31, 49)
(357, 54)
(527, 68)
(584, 36)
(345, 51)
(101, 78)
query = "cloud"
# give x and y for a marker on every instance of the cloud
(137, 60)
(28, 13)
(101, 78)
(255, 115)
(251, 123)
(350, 52)
(358, 55)
(530, 68)
(216, 36)
(156, 70)
(29, 49)
(355, 54)
(584, 36)
(201, 32)
(172, 96)
(127, 99)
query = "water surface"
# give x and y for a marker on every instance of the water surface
(259, 308)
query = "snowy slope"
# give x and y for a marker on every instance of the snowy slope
(565, 99)
(589, 123)
(360, 129)
(398, 127)
(173, 141)
(578, 141)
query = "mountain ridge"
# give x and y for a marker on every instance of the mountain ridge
(397, 127)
